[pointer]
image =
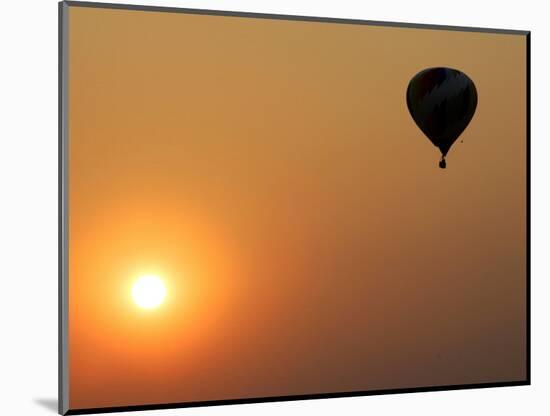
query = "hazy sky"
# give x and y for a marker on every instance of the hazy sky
(270, 172)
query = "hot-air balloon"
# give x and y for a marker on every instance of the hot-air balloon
(442, 101)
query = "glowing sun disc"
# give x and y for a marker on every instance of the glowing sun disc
(149, 292)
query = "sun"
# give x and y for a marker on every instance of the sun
(149, 292)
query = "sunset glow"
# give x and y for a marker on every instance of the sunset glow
(251, 211)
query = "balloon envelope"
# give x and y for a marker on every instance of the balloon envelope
(442, 101)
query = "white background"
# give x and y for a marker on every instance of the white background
(28, 205)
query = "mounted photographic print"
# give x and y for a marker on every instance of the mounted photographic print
(262, 207)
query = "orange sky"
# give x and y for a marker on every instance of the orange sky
(269, 170)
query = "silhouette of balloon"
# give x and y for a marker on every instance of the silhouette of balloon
(442, 101)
